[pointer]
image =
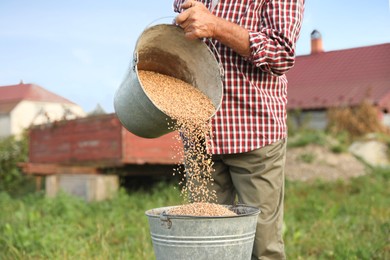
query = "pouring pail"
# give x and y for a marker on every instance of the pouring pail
(164, 49)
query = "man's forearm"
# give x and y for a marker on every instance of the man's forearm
(233, 36)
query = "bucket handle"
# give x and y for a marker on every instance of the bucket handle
(165, 220)
(216, 53)
(159, 19)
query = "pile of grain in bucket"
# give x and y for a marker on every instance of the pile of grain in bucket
(201, 209)
(191, 111)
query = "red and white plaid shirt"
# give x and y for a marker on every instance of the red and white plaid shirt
(253, 111)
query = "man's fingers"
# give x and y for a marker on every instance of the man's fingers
(190, 19)
(190, 36)
(188, 4)
(181, 18)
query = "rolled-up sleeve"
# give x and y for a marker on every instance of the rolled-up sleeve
(176, 5)
(273, 47)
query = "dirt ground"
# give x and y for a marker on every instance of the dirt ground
(316, 162)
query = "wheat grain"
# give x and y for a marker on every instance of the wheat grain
(201, 209)
(190, 109)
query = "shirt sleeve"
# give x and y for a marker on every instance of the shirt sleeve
(273, 47)
(176, 5)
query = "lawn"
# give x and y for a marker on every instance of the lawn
(338, 220)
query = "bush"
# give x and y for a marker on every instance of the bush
(12, 151)
(356, 121)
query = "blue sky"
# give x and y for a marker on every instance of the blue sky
(81, 49)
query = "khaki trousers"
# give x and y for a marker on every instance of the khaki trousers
(256, 178)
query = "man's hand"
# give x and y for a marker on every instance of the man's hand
(196, 20)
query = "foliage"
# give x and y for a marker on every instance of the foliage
(307, 136)
(345, 125)
(338, 220)
(307, 157)
(341, 142)
(337, 144)
(356, 121)
(12, 151)
(293, 122)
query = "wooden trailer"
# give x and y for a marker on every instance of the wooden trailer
(96, 145)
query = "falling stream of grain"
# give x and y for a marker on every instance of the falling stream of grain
(191, 110)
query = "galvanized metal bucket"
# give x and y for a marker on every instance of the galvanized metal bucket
(191, 237)
(164, 49)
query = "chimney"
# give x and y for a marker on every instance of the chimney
(316, 42)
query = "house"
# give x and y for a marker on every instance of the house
(322, 80)
(23, 105)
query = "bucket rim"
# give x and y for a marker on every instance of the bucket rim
(161, 212)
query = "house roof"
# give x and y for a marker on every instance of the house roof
(342, 77)
(6, 108)
(15, 93)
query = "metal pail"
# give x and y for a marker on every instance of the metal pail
(191, 237)
(164, 49)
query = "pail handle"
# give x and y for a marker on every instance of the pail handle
(165, 220)
(159, 19)
(216, 52)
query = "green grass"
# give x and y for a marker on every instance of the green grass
(35, 227)
(342, 220)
